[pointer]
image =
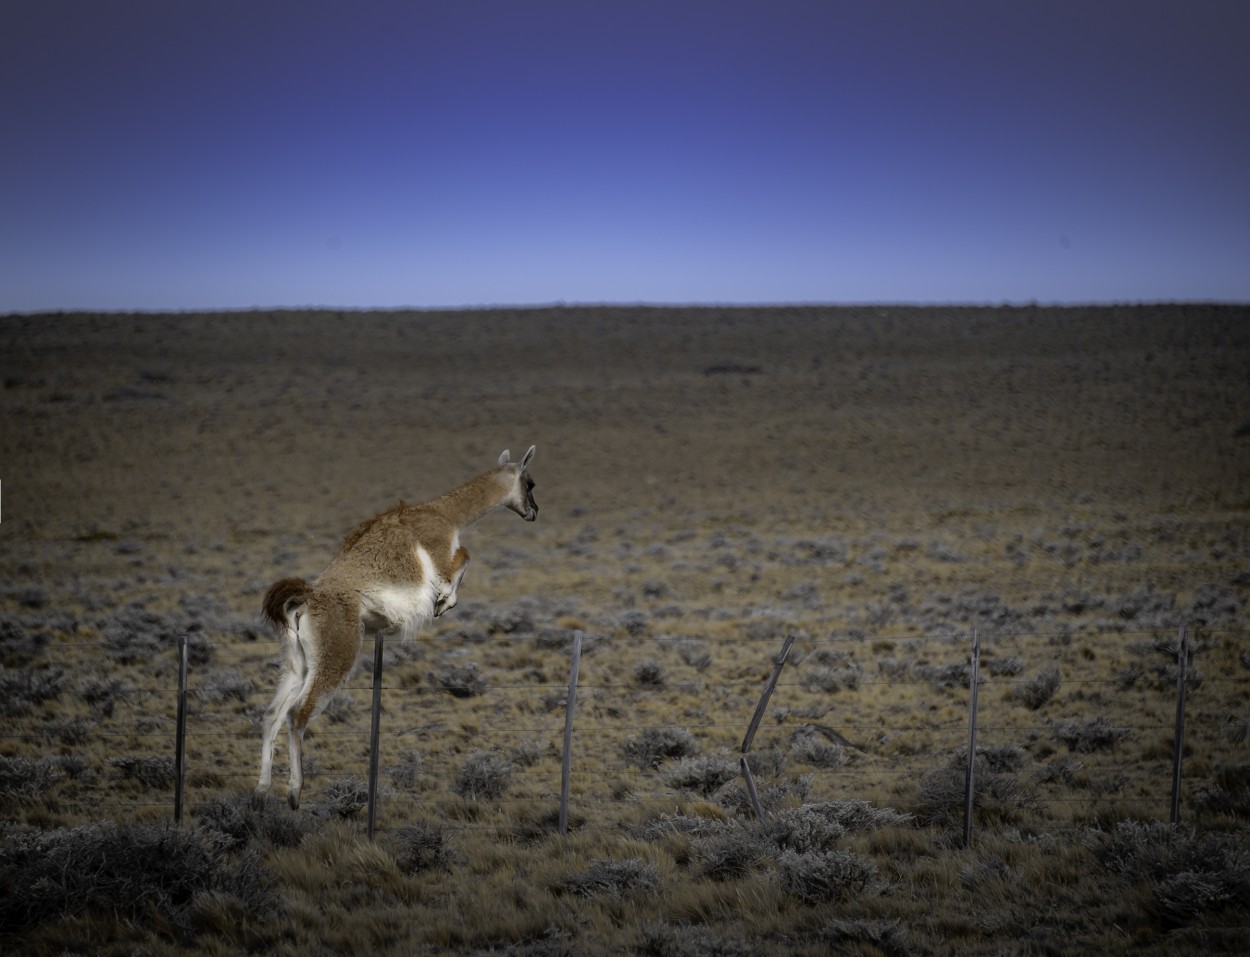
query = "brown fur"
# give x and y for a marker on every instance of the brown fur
(432, 523)
(279, 598)
(335, 614)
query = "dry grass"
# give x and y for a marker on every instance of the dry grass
(877, 482)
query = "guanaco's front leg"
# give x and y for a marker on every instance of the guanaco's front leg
(446, 598)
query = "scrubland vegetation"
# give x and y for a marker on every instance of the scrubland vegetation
(1074, 484)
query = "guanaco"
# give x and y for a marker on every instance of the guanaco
(394, 573)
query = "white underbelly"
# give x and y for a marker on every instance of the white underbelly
(406, 608)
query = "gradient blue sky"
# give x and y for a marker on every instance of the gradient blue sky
(187, 155)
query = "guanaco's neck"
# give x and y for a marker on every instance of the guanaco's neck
(467, 503)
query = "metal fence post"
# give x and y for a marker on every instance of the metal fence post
(969, 783)
(778, 664)
(566, 767)
(378, 645)
(1178, 749)
(180, 734)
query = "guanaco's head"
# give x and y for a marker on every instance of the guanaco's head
(521, 494)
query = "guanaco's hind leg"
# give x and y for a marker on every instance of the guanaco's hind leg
(446, 597)
(295, 737)
(294, 678)
(290, 689)
(332, 645)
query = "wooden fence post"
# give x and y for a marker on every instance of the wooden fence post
(778, 664)
(1178, 747)
(180, 732)
(378, 645)
(566, 767)
(974, 677)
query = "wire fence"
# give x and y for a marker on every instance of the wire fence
(584, 751)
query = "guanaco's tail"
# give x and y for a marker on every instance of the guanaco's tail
(284, 595)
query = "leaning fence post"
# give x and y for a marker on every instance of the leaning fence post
(1178, 749)
(969, 784)
(373, 731)
(180, 733)
(566, 767)
(778, 664)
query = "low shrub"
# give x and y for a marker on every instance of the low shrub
(421, 847)
(222, 685)
(70, 731)
(19, 643)
(104, 694)
(1003, 667)
(23, 689)
(615, 879)
(804, 829)
(340, 709)
(694, 653)
(729, 854)
(1092, 734)
(135, 635)
(156, 773)
(484, 775)
(1185, 895)
(704, 775)
(830, 680)
(810, 749)
(649, 674)
(406, 773)
(869, 935)
(459, 681)
(128, 870)
(955, 675)
(346, 797)
(1036, 691)
(1188, 873)
(817, 877)
(666, 940)
(656, 744)
(232, 823)
(22, 778)
(1000, 793)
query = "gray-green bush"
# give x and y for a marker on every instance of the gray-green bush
(128, 870)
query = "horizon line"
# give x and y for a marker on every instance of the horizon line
(636, 304)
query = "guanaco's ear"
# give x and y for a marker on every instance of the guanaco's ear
(504, 458)
(525, 459)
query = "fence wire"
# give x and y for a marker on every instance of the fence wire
(213, 716)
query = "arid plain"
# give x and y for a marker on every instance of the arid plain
(877, 481)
